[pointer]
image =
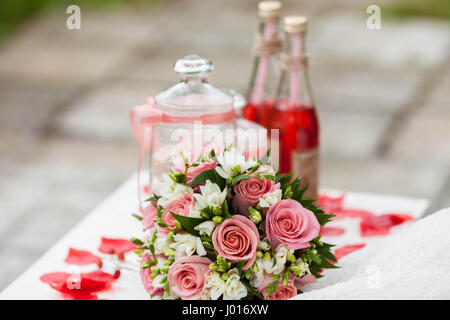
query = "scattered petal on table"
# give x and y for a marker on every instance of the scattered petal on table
(331, 231)
(79, 286)
(352, 213)
(382, 224)
(116, 246)
(345, 250)
(82, 257)
(330, 204)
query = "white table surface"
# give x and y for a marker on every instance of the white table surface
(112, 219)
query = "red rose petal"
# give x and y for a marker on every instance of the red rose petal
(55, 277)
(330, 204)
(345, 250)
(352, 213)
(82, 257)
(382, 224)
(116, 246)
(331, 231)
(79, 285)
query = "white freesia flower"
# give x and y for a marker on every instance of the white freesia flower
(170, 296)
(230, 160)
(159, 280)
(256, 278)
(206, 227)
(303, 267)
(160, 265)
(264, 245)
(170, 190)
(162, 244)
(186, 245)
(214, 286)
(194, 211)
(281, 253)
(206, 294)
(270, 198)
(234, 288)
(211, 196)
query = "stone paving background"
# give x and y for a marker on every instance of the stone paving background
(65, 142)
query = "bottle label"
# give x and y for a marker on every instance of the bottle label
(305, 165)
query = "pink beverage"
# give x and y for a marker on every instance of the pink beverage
(264, 77)
(294, 113)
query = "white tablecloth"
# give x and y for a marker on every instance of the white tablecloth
(112, 219)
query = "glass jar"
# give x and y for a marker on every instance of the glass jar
(190, 118)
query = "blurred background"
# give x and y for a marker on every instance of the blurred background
(65, 141)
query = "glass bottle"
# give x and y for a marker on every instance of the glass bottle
(265, 72)
(294, 113)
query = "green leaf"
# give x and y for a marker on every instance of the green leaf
(323, 218)
(251, 291)
(153, 198)
(325, 264)
(152, 250)
(137, 216)
(226, 211)
(326, 253)
(240, 264)
(148, 264)
(211, 175)
(240, 178)
(137, 241)
(188, 223)
(272, 287)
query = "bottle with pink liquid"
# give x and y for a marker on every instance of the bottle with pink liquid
(294, 113)
(266, 69)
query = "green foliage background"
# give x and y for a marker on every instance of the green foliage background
(15, 12)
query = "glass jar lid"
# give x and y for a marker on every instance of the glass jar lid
(193, 95)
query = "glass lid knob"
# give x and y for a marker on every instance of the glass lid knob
(193, 64)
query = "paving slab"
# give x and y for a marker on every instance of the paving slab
(341, 36)
(350, 134)
(103, 114)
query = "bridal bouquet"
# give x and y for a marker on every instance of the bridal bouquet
(223, 227)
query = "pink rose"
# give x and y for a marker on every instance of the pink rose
(195, 171)
(180, 206)
(147, 280)
(186, 276)
(290, 223)
(237, 239)
(282, 292)
(148, 217)
(248, 192)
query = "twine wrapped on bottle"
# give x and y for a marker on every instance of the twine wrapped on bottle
(266, 48)
(289, 61)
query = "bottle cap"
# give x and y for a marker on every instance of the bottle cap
(295, 24)
(269, 9)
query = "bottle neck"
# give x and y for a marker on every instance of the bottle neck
(294, 87)
(265, 72)
(268, 29)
